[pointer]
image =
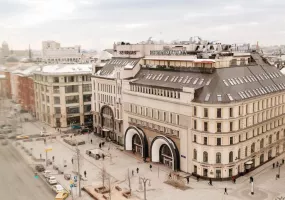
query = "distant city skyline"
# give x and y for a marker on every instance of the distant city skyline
(98, 24)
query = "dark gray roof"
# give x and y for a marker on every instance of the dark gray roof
(127, 63)
(224, 85)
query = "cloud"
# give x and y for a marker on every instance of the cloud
(98, 23)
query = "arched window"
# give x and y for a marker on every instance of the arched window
(218, 157)
(270, 139)
(261, 143)
(205, 156)
(195, 154)
(277, 135)
(231, 156)
(245, 151)
(252, 148)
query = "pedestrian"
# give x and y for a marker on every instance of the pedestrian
(132, 172)
(100, 145)
(226, 191)
(103, 156)
(234, 180)
(91, 141)
(138, 170)
(72, 160)
(150, 167)
(273, 165)
(85, 174)
(276, 177)
(187, 178)
(210, 182)
(40, 156)
(198, 177)
(282, 161)
(103, 143)
(52, 158)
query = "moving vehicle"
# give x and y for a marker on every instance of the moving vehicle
(40, 168)
(46, 173)
(61, 196)
(58, 188)
(52, 180)
(22, 137)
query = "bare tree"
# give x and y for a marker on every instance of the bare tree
(103, 175)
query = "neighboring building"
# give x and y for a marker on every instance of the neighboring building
(63, 94)
(26, 96)
(107, 78)
(52, 52)
(2, 84)
(215, 115)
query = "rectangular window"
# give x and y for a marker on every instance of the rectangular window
(72, 99)
(206, 126)
(55, 79)
(86, 87)
(205, 140)
(71, 88)
(231, 126)
(219, 141)
(195, 124)
(87, 97)
(56, 100)
(219, 127)
(195, 138)
(205, 112)
(231, 112)
(219, 112)
(195, 111)
(231, 140)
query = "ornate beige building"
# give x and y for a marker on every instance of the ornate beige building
(215, 117)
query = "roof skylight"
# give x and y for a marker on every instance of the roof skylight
(207, 97)
(230, 97)
(219, 97)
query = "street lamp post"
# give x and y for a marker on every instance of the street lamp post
(144, 180)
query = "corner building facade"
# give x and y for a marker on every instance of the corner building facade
(215, 118)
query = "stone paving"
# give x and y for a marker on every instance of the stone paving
(266, 187)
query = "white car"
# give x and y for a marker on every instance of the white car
(58, 188)
(46, 173)
(52, 180)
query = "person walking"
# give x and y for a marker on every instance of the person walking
(91, 141)
(226, 191)
(138, 170)
(85, 174)
(103, 156)
(40, 156)
(52, 158)
(187, 178)
(132, 172)
(72, 160)
(150, 167)
(198, 177)
(210, 182)
(273, 165)
(100, 145)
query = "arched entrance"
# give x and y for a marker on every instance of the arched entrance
(164, 150)
(107, 122)
(135, 140)
(261, 159)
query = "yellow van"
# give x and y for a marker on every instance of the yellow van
(61, 196)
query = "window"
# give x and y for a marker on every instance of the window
(261, 143)
(219, 141)
(231, 112)
(87, 97)
(195, 154)
(277, 135)
(195, 138)
(239, 138)
(218, 173)
(71, 88)
(219, 127)
(86, 87)
(252, 148)
(238, 154)
(195, 111)
(205, 112)
(205, 126)
(231, 126)
(219, 113)
(219, 97)
(71, 99)
(231, 140)
(57, 110)
(56, 100)
(55, 79)
(205, 156)
(270, 139)
(231, 157)
(72, 110)
(205, 140)
(218, 157)
(195, 124)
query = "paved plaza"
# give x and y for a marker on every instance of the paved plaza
(118, 162)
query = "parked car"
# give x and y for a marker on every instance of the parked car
(22, 137)
(67, 176)
(58, 188)
(40, 168)
(52, 180)
(46, 173)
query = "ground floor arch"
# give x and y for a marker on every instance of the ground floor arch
(136, 141)
(164, 150)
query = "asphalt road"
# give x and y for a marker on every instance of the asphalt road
(17, 180)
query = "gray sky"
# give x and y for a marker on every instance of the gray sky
(97, 24)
